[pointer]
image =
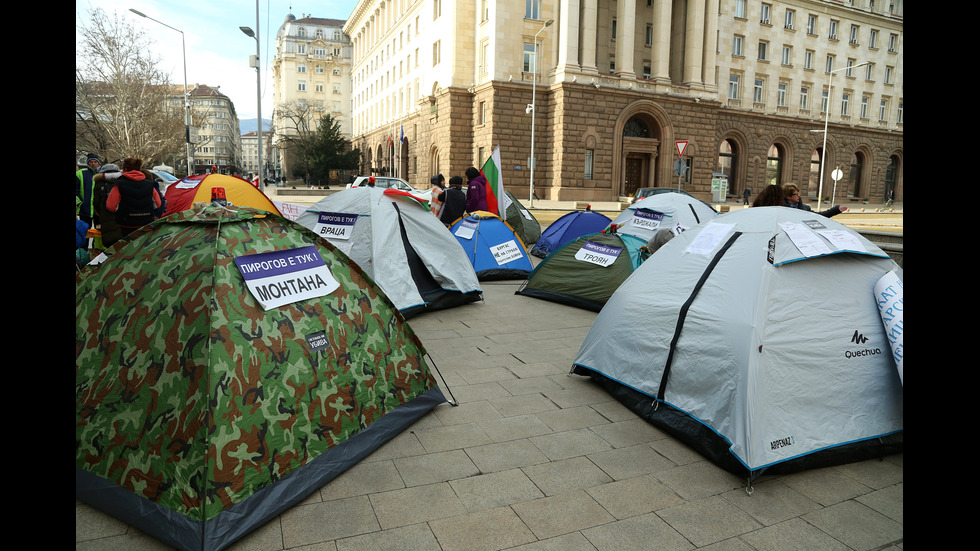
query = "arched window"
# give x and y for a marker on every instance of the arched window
(813, 188)
(891, 175)
(728, 162)
(636, 128)
(774, 165)
(857, 172)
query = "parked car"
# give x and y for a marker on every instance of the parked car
(384, 182)
(165, 179)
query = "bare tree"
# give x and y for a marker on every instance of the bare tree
(297, 128)
(124, 104)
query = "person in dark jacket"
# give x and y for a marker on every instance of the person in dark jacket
(134, 198)
(453, 201)
(476, 193)
(791, 196)
(104, 181)
(84, 188)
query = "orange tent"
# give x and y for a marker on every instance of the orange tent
(197, 189)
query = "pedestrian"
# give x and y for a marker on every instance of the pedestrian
(791, 197)
(438, 186)
(891, 198)
(84, 188)
(134, 199)
(476, 192)
(105, 180)
(746, 194)
(453, 201)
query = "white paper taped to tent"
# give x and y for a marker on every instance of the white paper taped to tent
(890, 295)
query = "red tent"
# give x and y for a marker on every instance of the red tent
(197, 189)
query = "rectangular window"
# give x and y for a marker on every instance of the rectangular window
(740, 9)
(301, 85)
(737, 46)
(763, 50)
(764, 14)
(893, 43)
(888, 74)
(436, 53)
(649, 35)
(833, 30)
(873, 41)
(845, 105)
(781, 94)
(614, 29)
(808, 59)
(901, 112)
(758, 91)
(853, 38)
(532, 9)
(789, 20)
(483, 113)
(850, 65)
(865, 102)
(319, 87)
(589, 155)
(301, 68)
(804, 98)
(787, 55)
(811, 25)
(870, 72)
(883, 111)
(830, 64)
(436, 9)
(528, 58)
(733, 82)
(823, 101)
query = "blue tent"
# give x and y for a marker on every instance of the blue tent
(492, 246)
(568, 228)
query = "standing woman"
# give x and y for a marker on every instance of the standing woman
(134, 197)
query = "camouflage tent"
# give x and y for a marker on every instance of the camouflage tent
(205, 404)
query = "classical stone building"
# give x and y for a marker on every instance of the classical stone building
(217, 140)
(437, 84)
(310, 78)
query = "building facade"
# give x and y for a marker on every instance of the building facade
(250, 153)
(217, 140)
(310, 78)
(608, 89)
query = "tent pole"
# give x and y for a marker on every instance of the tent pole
(453, 402)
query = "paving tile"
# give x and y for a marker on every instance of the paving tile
(874, 473)
(506, 455)
(887, 501)
(792, 535)
(487, 530)
(698, 480)
(771, 502)
(451, 437)
(572, 418)
(856, 525)
(416, 504)
(435, 467)
(572, 443)
(532, 383)
(476, 392)
(556, 515)
(628, 433)
(522, 405)
(574, 541)
(466, 412)
(557, 477)
(417, 537)
(366, 477)
(644, 532)
(327, 521)
(491, 490)
(709, 520)
(633, 497)
(513, 428)
(826, 486)
(631, 462)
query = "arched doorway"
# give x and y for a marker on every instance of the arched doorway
(813, 183)
(729, 157)
(774, 164)
(891, 177)
(639, 159)
(856, 175)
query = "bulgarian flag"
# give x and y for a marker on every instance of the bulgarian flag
(399, 193)
(496, 199)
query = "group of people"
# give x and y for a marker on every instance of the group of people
(788, 195)
(116, 200)
(450, 203)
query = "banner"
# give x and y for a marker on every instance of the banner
(282, 277)
(599, 254)
(495, 185)
(890, 295)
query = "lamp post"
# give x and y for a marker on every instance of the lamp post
(258, 88)
(826, 117)
(531, 107)
(187, 112)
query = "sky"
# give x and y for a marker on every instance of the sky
(217, 50)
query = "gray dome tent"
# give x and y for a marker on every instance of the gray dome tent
(756, 339)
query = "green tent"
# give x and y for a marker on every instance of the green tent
(586, 271)
(228, 364)
(525, 225)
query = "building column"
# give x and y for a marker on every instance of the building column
(694, 43)
(660, 62)
(625, 37)
(568, 29)
(589, 17)
(710, 46)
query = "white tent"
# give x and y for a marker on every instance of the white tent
(400, 244)
(673, 211)
(756, 339)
